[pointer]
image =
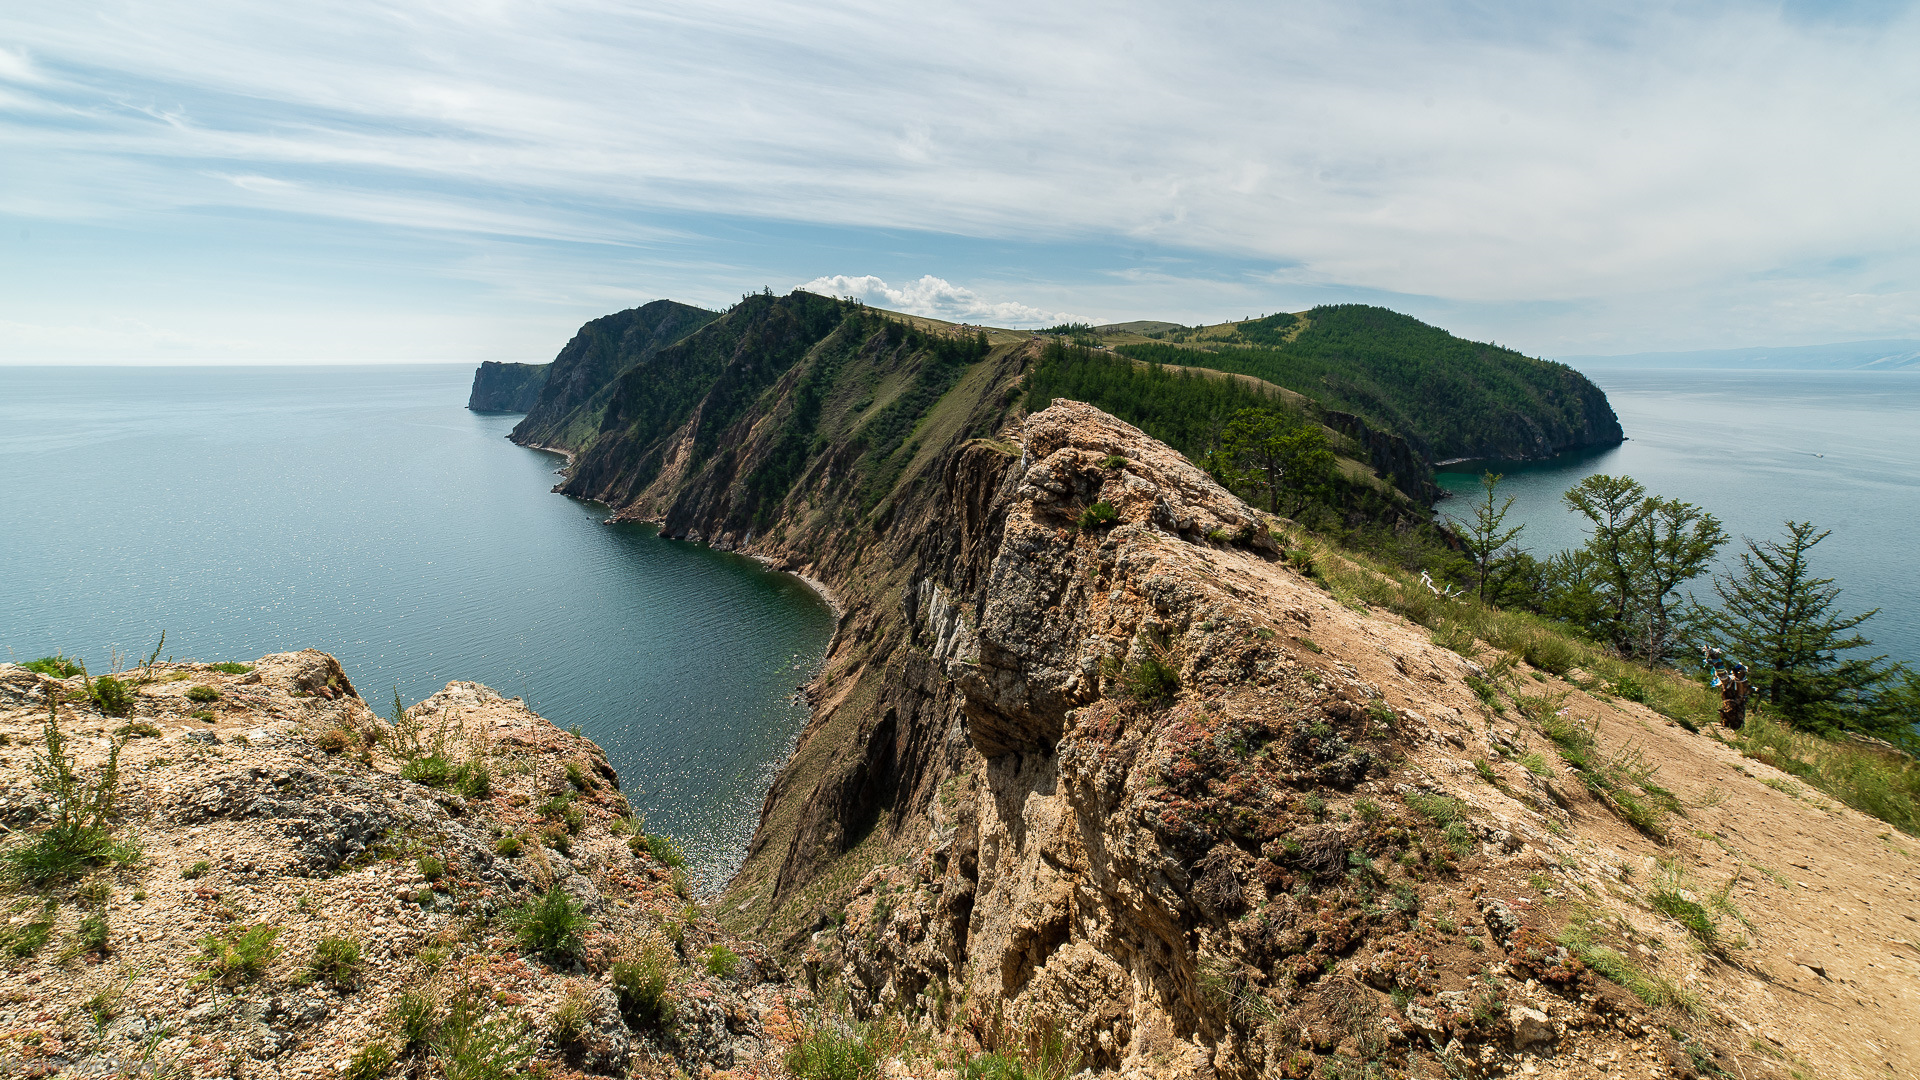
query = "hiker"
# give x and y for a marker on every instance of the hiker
(1734, 692)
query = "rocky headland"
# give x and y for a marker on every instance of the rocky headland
(511, 388)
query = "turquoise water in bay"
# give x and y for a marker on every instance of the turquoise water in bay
(1839, 448)
(364, 511)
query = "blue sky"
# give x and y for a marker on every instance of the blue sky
(472, 179)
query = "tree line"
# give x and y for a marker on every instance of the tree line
(1805, 657)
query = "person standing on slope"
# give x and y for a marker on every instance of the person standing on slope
(1734, 692)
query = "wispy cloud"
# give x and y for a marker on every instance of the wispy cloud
(938, 299)
(1591, 164)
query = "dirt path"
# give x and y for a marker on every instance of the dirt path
(1830, 977)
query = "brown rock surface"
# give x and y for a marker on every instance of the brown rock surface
(1323, 852)
(278, 812)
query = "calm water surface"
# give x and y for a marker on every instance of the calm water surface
(1839, 448)
(364, 511)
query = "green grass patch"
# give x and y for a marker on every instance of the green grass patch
(239, 953)
(643, 986)
(553, 926)
(335, 961)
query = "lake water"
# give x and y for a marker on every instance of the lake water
(1838, 448)
(365, 512)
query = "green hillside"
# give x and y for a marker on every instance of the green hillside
(1451, 398)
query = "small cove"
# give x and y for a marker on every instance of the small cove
(363, 511)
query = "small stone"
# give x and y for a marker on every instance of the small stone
(1531, 1028)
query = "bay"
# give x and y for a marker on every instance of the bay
(364, 511)
(1755, 448)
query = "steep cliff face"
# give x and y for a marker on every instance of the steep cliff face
(569, 406)
(1146, 789)
(507, 387)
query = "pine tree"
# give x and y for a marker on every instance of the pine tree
(1614, 505)
(1643, 548)
(1784, 624)
(1677, 542)
(1488, 544)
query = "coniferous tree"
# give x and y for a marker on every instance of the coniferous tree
(1489, 544)
(1614, 506)
(1785, 625)
(1677, 542)
(1276, 455)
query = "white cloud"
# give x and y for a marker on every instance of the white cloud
(1578, 157)
(16, 67)
(939, 299)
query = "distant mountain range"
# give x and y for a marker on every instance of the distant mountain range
(1845, 356)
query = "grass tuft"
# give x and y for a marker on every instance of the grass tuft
(552, 926)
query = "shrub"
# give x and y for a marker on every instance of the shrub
(722, 961)
(507, 845)
(335, 961)
(231, 668)
(333, 741)
(240, 953)
(660, 846)
(203, 694)
(1151, 681)
(139, 729)
(204, 717)
(432, 770)
(474, 780)
(1099, 514)
(1114, 461)
(551, 926)
(644, 988)
(80, 835)
(431, 867)
(577, 776)
(198, 869)
(371, 1063)
(57, 666)
(1550, 652)
(113, 697)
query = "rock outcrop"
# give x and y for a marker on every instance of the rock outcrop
(280, 899)
(510, 388)
(1144, 788)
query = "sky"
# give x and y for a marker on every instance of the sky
(356, 180)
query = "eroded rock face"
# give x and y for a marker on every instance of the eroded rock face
(1185, 835)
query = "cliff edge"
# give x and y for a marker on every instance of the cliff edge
(1192, 815)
